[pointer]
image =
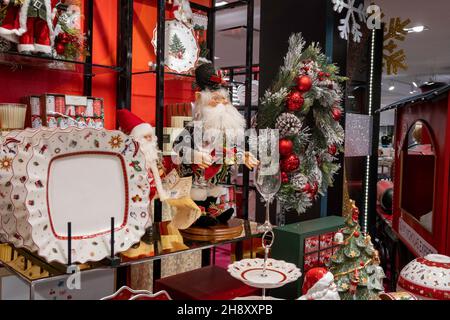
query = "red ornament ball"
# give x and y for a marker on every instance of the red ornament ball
(304, 83)
(291, 163)
(336, 113)
(285, 146)
(64, 38)
(307, 188)
(284, 177)
(361, 263)
(315, 188)
(356, 234)
(332, 149)
(295, 101)
(60, 48)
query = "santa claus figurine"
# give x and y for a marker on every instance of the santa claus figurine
(29, 23)
(207, 148)
(319, 285)
(144, 133)
(183, 210)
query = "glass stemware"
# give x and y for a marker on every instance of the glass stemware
(267, 182)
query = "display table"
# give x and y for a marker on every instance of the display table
(208, 283)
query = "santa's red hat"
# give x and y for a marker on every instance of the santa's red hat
(317, 279)
(133, 125)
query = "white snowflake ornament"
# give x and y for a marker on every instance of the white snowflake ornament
(350, 23)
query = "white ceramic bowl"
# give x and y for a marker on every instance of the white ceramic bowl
(427, 277)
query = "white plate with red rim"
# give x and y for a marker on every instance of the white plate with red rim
(18, 216)
(278, 272)
(86, 177)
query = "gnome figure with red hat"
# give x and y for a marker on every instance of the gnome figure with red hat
(207, 147)
(319, 285)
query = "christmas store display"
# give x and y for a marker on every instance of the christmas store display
(304, 105)
(215, 115)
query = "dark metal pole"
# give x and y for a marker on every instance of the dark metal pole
(211, 32)
(248, 98)
(124, 50)
(89, 27)
(161, 26)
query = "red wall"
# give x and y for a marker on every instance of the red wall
(29, 80)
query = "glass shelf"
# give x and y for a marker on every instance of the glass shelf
(17, 60)
(153, 240)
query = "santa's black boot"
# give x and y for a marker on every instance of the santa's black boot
(225, 216)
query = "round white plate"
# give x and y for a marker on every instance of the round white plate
(181, 47)
(278, 272)
(86, 177)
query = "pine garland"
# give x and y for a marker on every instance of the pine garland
(319, 137)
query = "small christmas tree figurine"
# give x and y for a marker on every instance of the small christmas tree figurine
(176, 47)
(355, 265)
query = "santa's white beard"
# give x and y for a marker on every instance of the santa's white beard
(151, 153)
(150, 150)
(224, 118)
(329, 293)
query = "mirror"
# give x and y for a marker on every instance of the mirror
(418, 175)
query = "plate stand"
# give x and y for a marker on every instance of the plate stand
(113, 259)
(220, 232)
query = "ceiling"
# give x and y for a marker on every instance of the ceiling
(427, 53)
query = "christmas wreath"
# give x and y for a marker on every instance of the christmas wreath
(304, 105)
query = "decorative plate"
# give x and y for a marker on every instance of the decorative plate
(181, 47)
(427, 277)
(160, 295)
(278, 272)
(8, 153)
(125, 293)
(241, 93)
(19, 229)
(86, 177)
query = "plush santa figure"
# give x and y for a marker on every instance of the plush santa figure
(206, 149)
(144, 133)
(184, 211)
(319, 285)
(29, 23)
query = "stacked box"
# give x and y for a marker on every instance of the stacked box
(63, 111)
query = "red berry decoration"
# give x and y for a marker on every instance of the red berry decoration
(361, 263)
(285, 146)
(291, 163)
(295, 101)
(332, 149)
(304, 83)
(284, 177)
(60, 48)
(336, 113)
(356, 234)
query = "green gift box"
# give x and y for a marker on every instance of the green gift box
(307, 244)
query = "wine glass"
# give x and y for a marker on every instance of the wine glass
(267, 182)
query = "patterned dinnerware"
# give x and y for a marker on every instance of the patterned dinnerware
(278, 273)
(427, 277)
(86, 177)
(8, 152)
(18, 227)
